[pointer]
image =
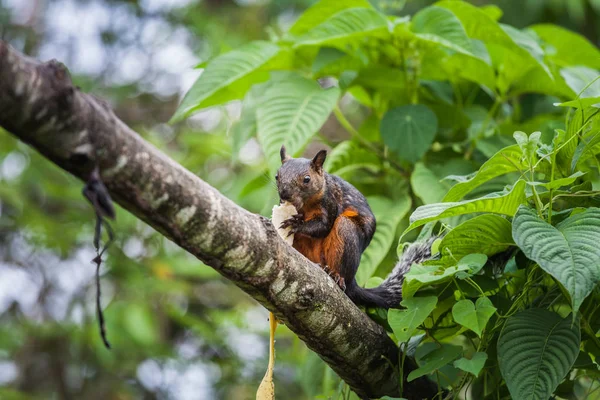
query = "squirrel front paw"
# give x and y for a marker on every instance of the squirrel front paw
(337, 278)
(294, 223)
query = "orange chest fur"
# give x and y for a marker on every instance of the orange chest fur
(325, 251)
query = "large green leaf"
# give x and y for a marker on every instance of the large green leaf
(503, 162)
(349, 156)
(245, 128)
(471, 68)
(291, 113)
(426, 184)
(487, 234)
(506, 204)
(346, 27)
(582, 80)
(568, 48)
(510, 51)
(409, 130)
(404, 323)
(331, 61)
(536, 351)
(515, 58)
(575, 126)
(527, 41)
(322, 11)
(477, 23)
(228, 77)
(439, 25)
(436, 360)
(589, 147)
(474, 316)
(570, 252)
(536, 79)
(388, 215)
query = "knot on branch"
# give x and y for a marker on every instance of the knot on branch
(306, 297)
(59, 79)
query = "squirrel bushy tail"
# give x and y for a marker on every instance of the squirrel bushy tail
(389, 293)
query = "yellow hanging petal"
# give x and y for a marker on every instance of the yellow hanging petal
(266, 390)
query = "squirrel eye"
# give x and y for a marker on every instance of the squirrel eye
(306, 179)
(276, 177)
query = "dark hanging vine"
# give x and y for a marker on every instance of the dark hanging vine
(97, 194)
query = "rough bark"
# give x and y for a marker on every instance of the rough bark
(77, 131)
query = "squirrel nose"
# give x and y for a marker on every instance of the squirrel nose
(284, 195)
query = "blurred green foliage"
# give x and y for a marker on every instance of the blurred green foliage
(178, 330)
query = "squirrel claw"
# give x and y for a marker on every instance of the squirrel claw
(337, 278)
(293, 223)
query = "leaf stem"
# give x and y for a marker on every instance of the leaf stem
(552, 168)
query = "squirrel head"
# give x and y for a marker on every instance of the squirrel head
(299, 180)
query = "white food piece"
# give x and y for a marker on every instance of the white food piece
(280, 214)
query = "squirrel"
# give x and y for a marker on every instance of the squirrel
(334, 225)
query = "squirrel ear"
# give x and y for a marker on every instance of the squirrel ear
(317, 162)
(283, 154)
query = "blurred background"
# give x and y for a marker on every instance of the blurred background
(178, 330)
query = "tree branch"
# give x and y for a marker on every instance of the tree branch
(77, 131)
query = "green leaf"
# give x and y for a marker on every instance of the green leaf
(258, 182)
(536, 351)
(474, 365)
(477, 23)
(506, 204)
(569, 252)
(426, 184)
(404, 323)
(326, 57)
(493, 11)
(586, 149)
(503, 162)
(567, 48)
(474, 316)
(557, 183)
(382, 78)
(581, 103)
(535, 79)
(575, 125)
(291, 113)
(471, 68)
(509, 57)
(349, 155)
(322, 11)
(245, 128)
(388, 215)
(487, 234)
(528, 145)
(228, 77)
(346, 27)
(439, 25)
(470, 265)
(582, 80)
(424, 275)
(435, 360)
(526, 40)
(409, 130)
